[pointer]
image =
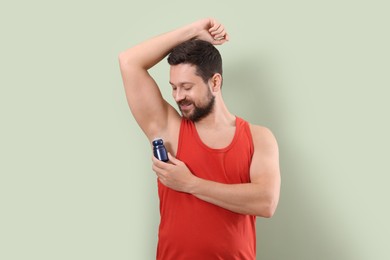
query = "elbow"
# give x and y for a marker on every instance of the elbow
(268, 212)
(122, 59)
(127, 65)
(129, 62)
(267, 209)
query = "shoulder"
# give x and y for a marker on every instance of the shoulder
(260, 131)
(263, 138)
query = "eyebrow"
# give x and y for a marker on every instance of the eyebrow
(182, 83)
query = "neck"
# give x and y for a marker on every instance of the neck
(219, 117)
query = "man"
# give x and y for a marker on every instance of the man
(222, 171)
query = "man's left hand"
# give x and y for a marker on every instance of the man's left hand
(174, 174)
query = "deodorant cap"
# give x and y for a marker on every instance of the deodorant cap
(157, 141)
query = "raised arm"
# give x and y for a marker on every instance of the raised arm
(151, 111)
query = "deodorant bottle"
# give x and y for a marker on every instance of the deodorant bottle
(159, 150)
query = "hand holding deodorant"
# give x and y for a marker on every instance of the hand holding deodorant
(159, 150)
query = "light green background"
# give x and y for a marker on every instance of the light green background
(76, 179)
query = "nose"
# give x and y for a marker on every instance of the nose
(178, 95)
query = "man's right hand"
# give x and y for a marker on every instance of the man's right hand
(212, 31)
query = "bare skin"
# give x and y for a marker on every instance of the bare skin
(157, 117)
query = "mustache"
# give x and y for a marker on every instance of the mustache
(184, 102)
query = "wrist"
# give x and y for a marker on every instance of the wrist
(194, 185)
(190, 31)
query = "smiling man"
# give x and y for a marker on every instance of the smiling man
(222, 171)
(186, 73)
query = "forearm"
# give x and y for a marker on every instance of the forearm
(150, 52)
(259, 197)
(247, 198)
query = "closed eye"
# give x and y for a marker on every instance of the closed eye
(187, 86)
(173, 86)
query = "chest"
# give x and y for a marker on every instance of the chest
(217, 139)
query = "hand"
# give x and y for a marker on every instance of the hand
(212, 31)
(174, 174)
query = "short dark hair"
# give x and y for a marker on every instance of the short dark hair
(202, 54)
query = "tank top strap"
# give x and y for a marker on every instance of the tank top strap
(244, 129)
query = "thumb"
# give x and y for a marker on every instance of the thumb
(172, 158)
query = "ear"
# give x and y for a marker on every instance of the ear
(216, 82)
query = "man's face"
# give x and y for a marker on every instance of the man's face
(191, 93)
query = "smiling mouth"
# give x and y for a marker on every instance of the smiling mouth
(185, 105)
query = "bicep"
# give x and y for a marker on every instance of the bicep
(265, 169)
(145, 100)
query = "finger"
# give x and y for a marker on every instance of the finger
(154, 160)
(219, 41)
(161, 174)
(215, 28)
(159, 164)
(220, 35)
(219, 30)
(163, 181)
(172, 159)
(156, 169)
(212, 23)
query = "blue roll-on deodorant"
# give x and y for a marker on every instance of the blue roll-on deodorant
(159, 150)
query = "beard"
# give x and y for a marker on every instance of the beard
(198, 112)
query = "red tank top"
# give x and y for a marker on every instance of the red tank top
(191, 228)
